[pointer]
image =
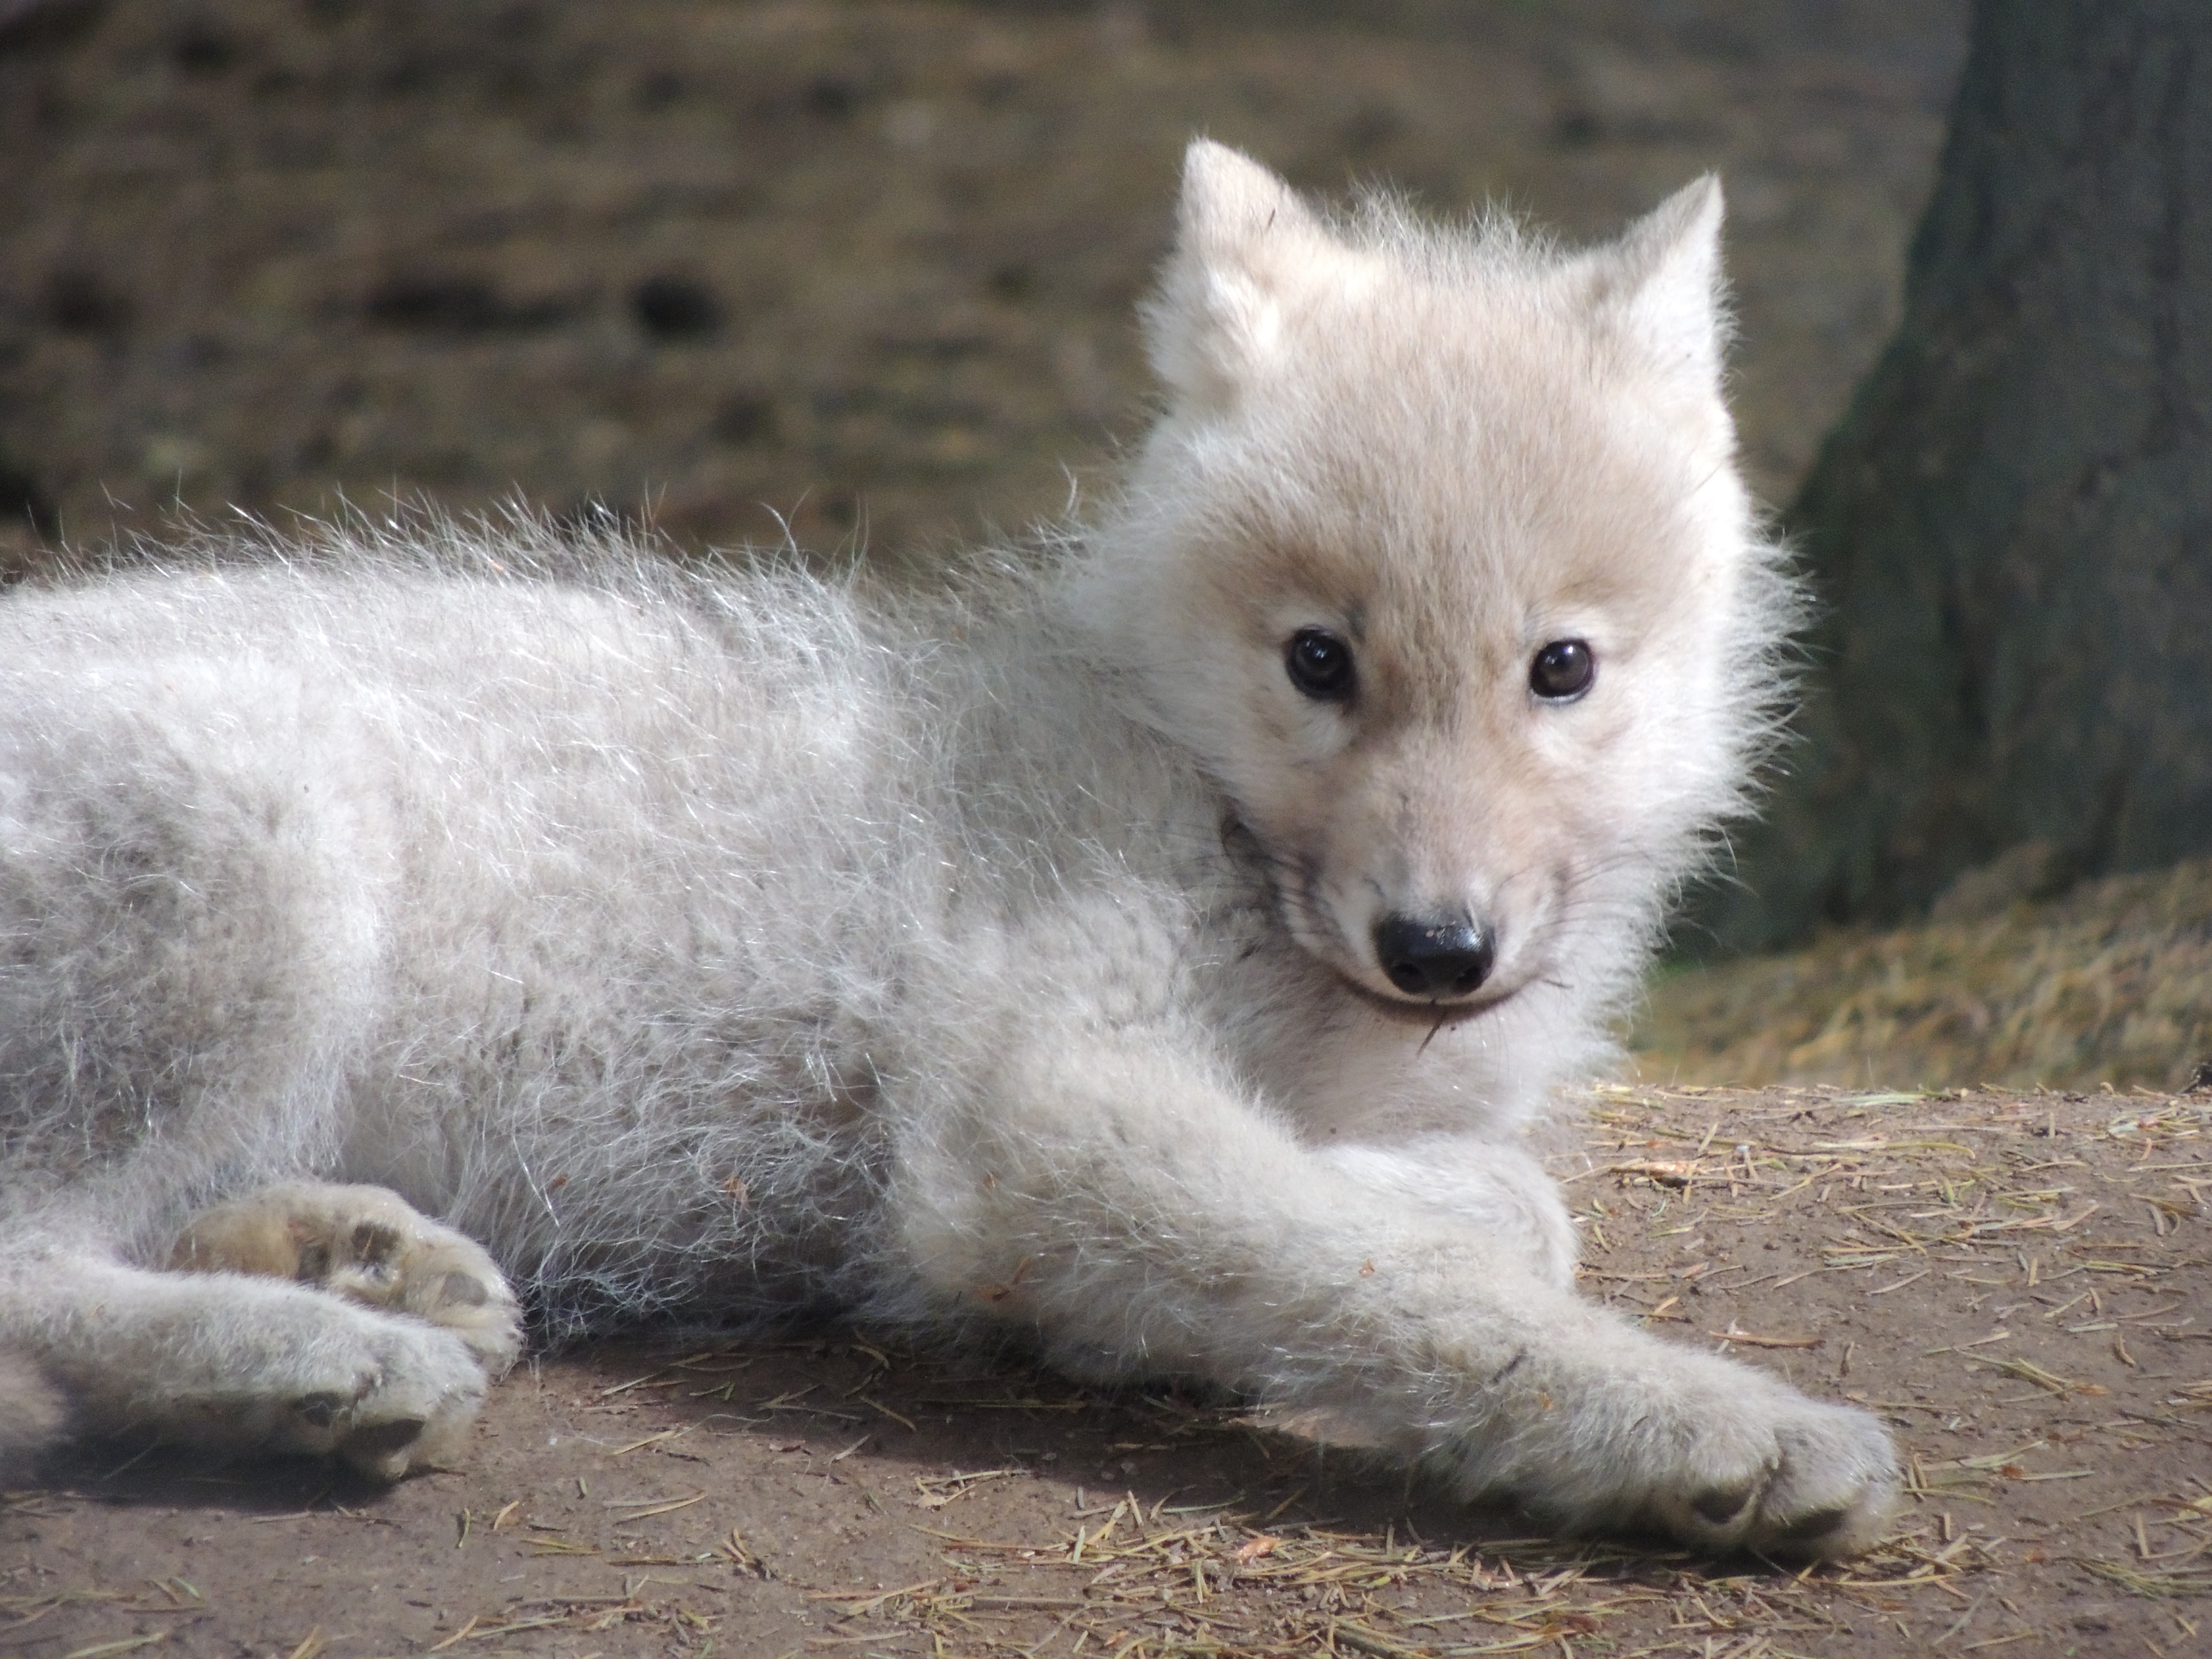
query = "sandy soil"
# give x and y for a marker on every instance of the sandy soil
(2020, 1283)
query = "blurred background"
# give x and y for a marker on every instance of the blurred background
(867, 271)
(869, 265)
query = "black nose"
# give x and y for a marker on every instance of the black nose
(1435, 956)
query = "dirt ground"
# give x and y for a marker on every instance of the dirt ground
(2020, 1284)
(871, 266)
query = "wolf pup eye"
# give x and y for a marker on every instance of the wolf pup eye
(1319, 665)
(1562, 670)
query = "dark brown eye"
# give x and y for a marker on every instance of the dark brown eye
(1319, 665)
(1562, 670)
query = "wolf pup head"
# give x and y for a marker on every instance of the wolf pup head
(1440, 564)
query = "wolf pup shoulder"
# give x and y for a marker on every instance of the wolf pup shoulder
(1151, 943)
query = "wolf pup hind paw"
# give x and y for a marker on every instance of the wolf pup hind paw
(1153, 940)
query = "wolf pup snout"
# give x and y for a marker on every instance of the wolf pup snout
(1438, 956)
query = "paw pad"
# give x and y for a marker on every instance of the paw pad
(1811, 1528)
(375, 1244)
(1722, 1504)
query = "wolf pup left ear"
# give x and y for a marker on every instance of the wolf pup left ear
(1243, 237)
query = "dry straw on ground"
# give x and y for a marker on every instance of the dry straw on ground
(2109, 984)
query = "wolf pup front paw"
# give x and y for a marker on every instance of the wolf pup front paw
(1823, 1489)
(1771, 1473)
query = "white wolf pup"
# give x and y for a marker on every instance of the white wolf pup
(1155, 944)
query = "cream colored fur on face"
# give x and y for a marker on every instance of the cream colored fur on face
(708, 945)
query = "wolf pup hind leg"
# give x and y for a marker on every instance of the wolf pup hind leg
(1154, 940)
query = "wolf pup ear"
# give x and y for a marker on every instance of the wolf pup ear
(1661, 283)
(1242, 235)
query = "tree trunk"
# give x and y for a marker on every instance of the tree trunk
(2011, 531)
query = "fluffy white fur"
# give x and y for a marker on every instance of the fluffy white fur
(713, 944)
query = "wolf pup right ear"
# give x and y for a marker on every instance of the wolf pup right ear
(1243, 242)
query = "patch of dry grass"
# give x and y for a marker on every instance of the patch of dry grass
(2109, 984)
